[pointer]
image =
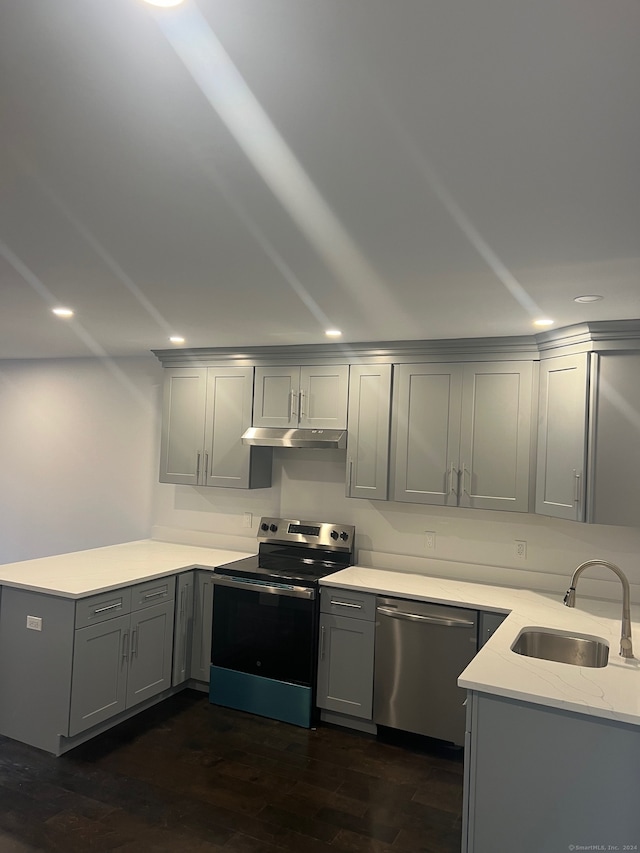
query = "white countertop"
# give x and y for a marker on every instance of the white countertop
(83, 573)
(611, 692)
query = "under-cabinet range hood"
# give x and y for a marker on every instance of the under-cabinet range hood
(276, 437)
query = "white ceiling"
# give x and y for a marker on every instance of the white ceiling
(255, 171)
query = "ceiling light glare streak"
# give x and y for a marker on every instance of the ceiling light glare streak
(224, 87)
(62, 312)
(333, 333)
(176, 339)
(543, 321)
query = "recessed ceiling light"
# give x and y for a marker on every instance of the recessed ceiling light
(164, 2)
(589, 298)
(176, 339)
(62, 312)
(333, 333)
(543, 321)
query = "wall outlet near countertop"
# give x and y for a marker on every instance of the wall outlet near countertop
(521, 549)
(247, 519)
(430, 540)
(34, 623)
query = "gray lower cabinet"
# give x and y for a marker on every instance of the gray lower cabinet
(122, 661)
(205, 411)
(488, 623)
(544, 779)
(368, 431)
(346, 649)
(462, 434)
(183, 628)
(202, 624)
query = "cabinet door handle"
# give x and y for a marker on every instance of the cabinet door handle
(206, 465)
(463, 488)
(197, 466)
(350, 478)
(182, 605)
(125, 645)
(322, 633)
(577, 490)
(134, 643)
(303, 414)
(293, 413)
(346, 604)
(453, 477)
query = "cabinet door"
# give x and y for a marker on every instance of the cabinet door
(495, 443)
(183, 412)
(183, 629)
(275, 400)
(202, 625)
(345, 665)
(150, 654)
(426, 430)
(368, 435)
(99, 680)
(562, 437)
(229, 463)
(323, 397)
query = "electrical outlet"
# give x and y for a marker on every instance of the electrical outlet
(247, 520)
(521, 549)
(34, 623)
(430, 540)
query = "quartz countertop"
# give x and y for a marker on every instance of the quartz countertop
(83, 573)
(611, 692)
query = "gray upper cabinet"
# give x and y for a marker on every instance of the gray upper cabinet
(562, 437)
(310, 397)
(205, 412)
(614, 493)
(462, 434)
(368, 431)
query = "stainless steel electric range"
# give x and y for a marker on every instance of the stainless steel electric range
(265, 619)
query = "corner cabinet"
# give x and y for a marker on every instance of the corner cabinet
(368, 435)
(309, 397)
(205, 412)
(462, 434)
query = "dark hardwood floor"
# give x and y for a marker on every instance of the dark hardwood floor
(196, 778)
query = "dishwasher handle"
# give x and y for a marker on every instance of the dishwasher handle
(432, 620)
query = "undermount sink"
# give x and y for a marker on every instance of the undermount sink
(562, 648)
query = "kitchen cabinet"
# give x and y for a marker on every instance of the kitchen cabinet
(121, 661)
(539, 778)
(205, 412)
(346, 649)
(562, 436)
(487, 625)
(308, 397)
(183, 628)
(202, 625)
(368, 423)
(462, 434)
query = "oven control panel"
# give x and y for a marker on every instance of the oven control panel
(319, 533)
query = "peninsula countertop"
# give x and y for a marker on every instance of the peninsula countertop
(611, 692)
(82, 573)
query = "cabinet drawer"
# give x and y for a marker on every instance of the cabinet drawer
(105, 605)
(153, 592)
(340, 602)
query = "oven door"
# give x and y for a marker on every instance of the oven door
(263, 648)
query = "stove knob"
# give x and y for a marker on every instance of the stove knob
(273, 527)
(344, 536)
(334, 534)
(264, 526)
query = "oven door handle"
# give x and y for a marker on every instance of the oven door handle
(285, 590)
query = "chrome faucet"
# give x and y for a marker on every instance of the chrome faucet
(626, 649)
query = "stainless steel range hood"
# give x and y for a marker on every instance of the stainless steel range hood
(275, 437)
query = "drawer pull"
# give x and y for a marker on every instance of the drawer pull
(346, 604)
(148, 595)
(108, 607)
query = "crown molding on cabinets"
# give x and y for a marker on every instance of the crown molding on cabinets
(600, 336)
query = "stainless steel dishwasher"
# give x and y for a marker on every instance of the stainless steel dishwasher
(420, 651)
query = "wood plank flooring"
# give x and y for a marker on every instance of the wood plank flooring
(191, 777)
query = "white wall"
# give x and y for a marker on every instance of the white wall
(474, 544)
(78, 453)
